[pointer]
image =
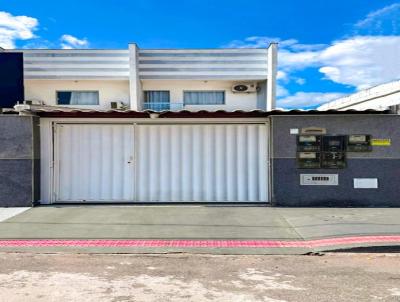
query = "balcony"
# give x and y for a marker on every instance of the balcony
(162, 106)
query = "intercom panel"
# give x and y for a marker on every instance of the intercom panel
(359, 143)
(309, 160)
(308, 143)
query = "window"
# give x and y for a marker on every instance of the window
(77, 97)
(204, 97)
(156, 96)
(157, 100)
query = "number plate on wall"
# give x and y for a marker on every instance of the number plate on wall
(319, 179)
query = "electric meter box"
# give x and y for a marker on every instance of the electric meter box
(334, 143)
(359, 143)
(309, 160)
(333, 160)
(308, 143)
(333, 152)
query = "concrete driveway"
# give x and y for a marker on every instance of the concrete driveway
(287, 230)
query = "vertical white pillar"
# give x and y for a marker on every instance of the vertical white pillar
(272, 70)
(135, 87)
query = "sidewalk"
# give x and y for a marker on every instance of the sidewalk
(198, 229)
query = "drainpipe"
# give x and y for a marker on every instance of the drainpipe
(272, 62)
(135, 89)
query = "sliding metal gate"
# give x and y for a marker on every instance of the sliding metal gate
(161, 163)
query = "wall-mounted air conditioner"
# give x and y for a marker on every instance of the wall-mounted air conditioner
(245, 87)
(34, 102)
(118, 106)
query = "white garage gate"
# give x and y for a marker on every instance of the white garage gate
(161, 163)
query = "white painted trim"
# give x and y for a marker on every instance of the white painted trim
(66, 51)
(85, 120)
(33, 60)
(206, 51)
(256, 58)
(196, 65)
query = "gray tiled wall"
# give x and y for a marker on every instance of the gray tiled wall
(382, 163)
(19, 160)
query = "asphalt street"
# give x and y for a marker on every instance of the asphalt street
(197, 278)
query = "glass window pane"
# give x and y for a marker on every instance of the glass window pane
(156, 96)
(204, 97)
(77, 97)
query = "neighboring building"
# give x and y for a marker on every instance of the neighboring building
(380, 97)
(154, 79)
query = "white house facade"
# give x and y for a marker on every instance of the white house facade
(151, 79)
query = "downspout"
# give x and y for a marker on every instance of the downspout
(272, 63)
(134, 80)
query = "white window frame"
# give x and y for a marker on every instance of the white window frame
(224, 93)
(98, 97)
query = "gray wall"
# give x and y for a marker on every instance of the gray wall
(19, 160)
(382, 163)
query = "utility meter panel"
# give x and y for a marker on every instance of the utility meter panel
(333, 152)
(308, 143)
(308, 151)
(309, 160)
(334, 143)
(359, 143)
(329, 151)
(333, 160)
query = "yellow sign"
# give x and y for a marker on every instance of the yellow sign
(381, 142)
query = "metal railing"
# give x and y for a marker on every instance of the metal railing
(163, 106)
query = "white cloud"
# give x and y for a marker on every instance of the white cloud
(362, 61)
(281, 75)
(251, 42)
(307, 99)
(300, 81)
(70, 42)
(384, 20)
(281, 91)
(13, 28)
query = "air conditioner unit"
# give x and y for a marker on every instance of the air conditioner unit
(245, 87)
(118, 105)
(34, 102)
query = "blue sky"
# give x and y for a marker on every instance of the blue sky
(327, 48)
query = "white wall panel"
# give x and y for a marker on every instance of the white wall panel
(201, 163)
(78, 64)
(203, 64)
(94, 162)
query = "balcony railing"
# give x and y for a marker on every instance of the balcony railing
(163, 106)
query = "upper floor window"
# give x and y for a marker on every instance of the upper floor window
(204, 97)
(77, 97)
(157, 100)
(156, 96)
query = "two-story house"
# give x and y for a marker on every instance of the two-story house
(150, 79)
(103, 137)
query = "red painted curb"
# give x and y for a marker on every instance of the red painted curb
(198, 243)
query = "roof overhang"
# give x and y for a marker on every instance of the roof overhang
(51, 112)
